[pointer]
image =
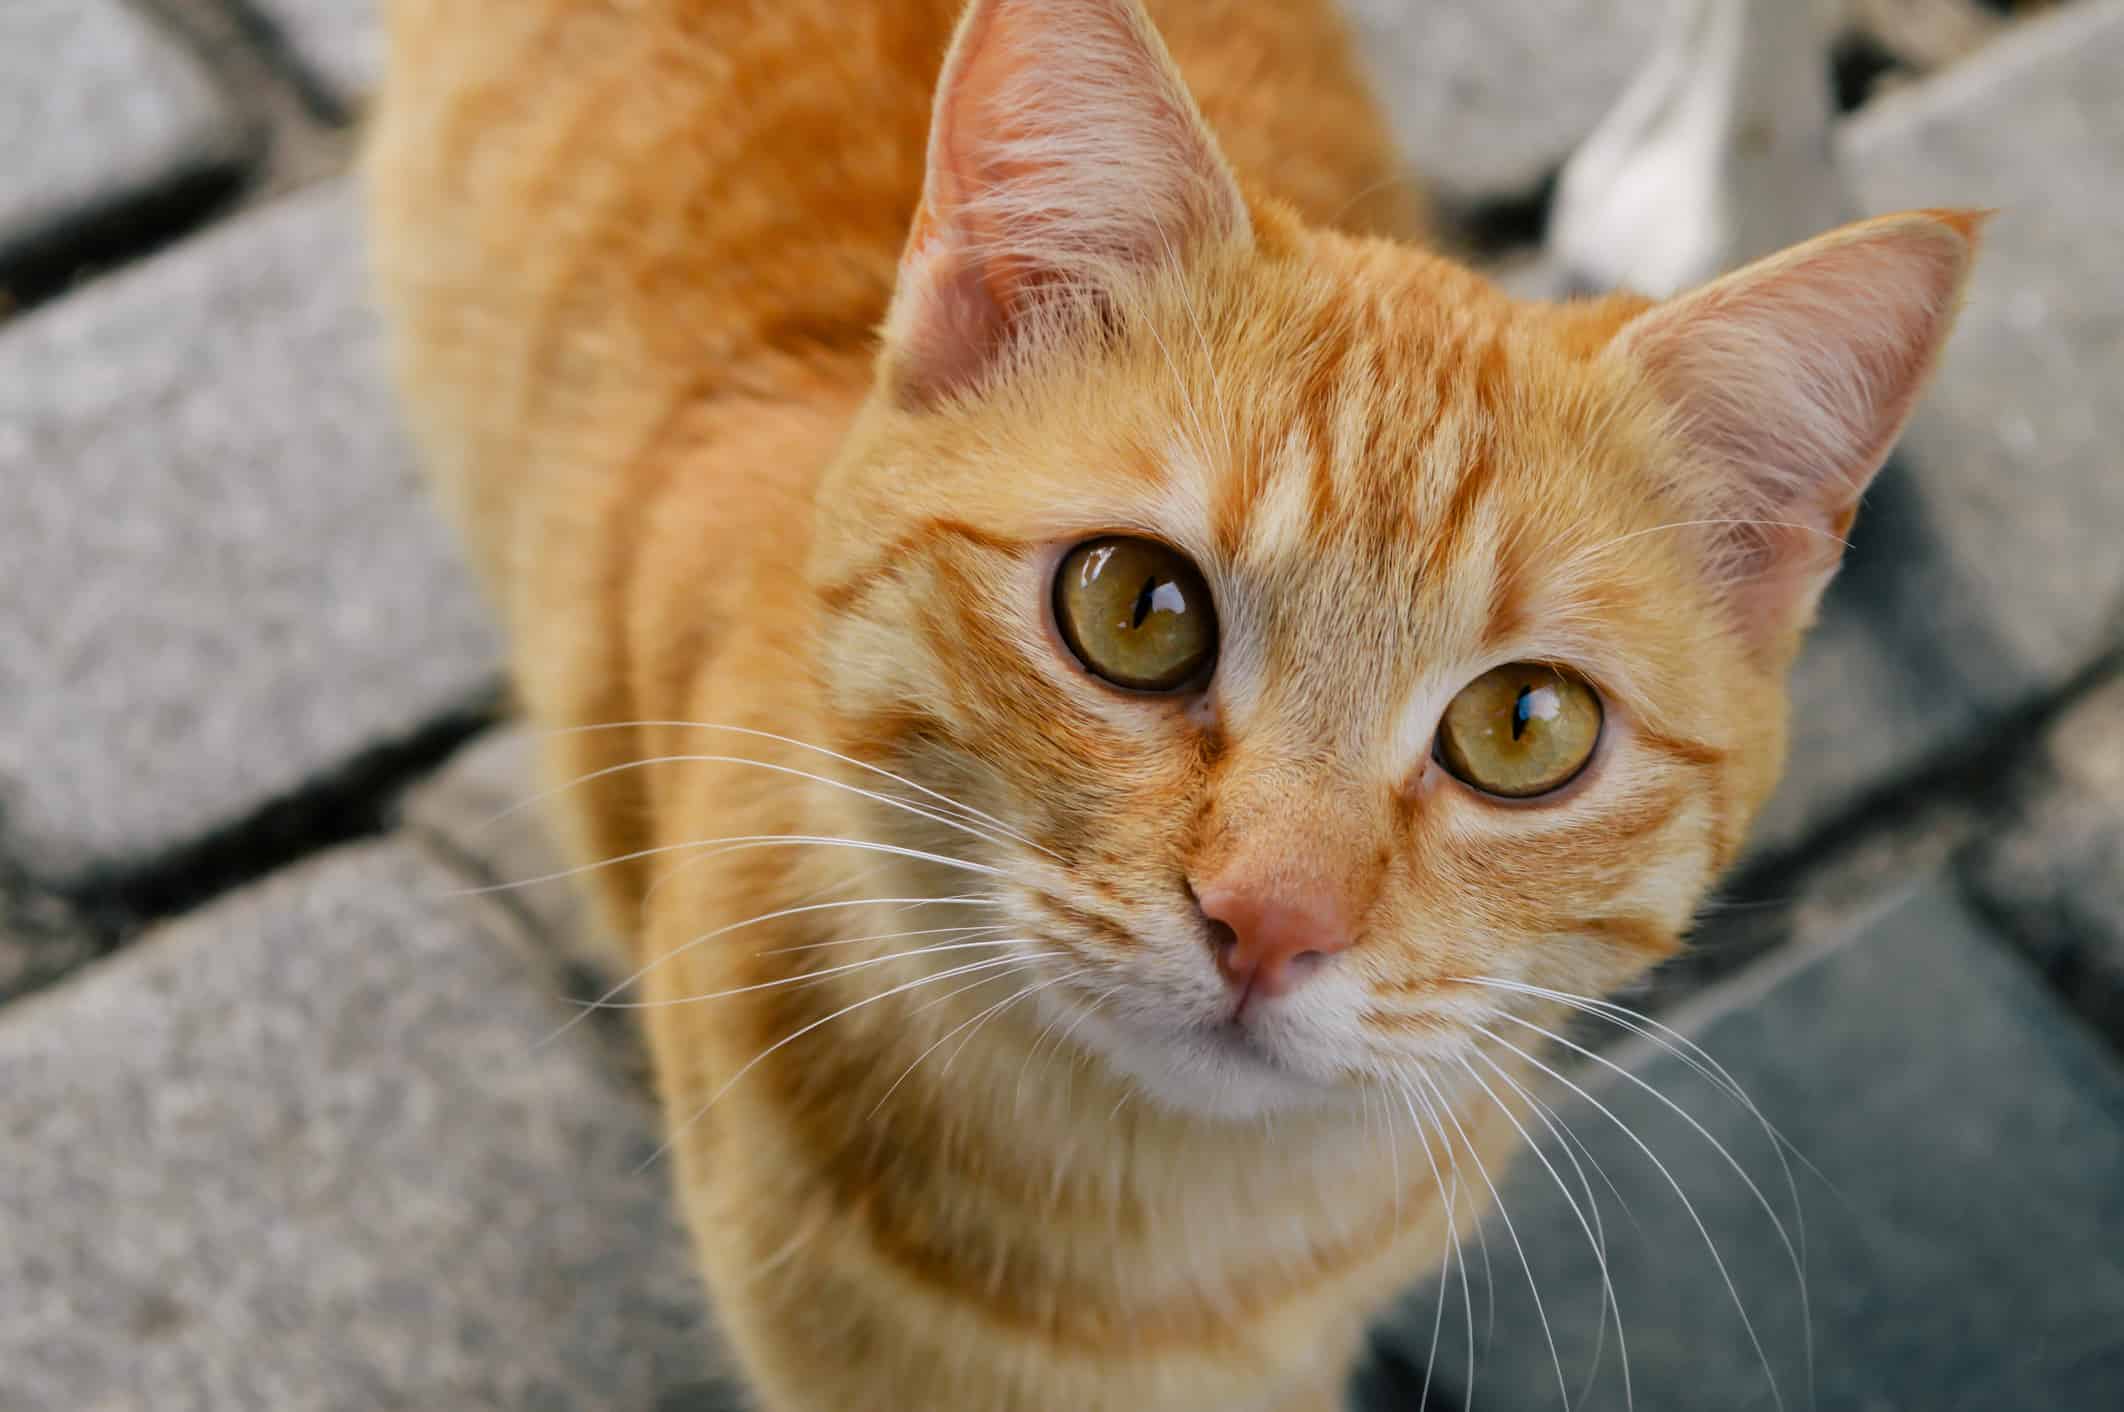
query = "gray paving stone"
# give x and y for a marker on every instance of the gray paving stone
(342, 40)
(1964, 1238)
(1489, 96)
(1894, 673)
(1985, 570)
(307, 1149)
(2054, 876)
(98, 108)
(482, 811)
(2017, 446)
(219, 574)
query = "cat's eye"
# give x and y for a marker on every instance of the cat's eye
(1520, 730)
(1137, 613)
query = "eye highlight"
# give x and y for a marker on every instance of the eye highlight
(1136, 612)
(1520, 730)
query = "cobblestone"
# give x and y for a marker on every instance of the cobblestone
(311, 1149)
(1879, 690)
(1985, 573)
(482, 810)
(1488, 98)
(2016, 450)
(1957, 1149)
(100, 112)
(237, 581)
(2053, 877)
(342, 40)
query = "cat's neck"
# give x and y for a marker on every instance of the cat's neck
(942, 1109)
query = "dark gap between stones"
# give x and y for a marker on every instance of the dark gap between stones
(41, 938)
(1488, 227)
(1983, 772)
(1390, 1378)
(1857, 64)
(2089, 990)
(52, 261)
(271, 43)
(355, 801)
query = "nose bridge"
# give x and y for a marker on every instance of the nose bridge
(1296, 826)
(1288, 870)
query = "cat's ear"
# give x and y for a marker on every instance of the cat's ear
(1066, 158)
(1790, 381)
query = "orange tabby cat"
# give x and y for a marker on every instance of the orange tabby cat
(1116, 684)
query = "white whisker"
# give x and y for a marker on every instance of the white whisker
(1069, 1073)
(1714, 1073)
(1467, 1297)
(1816, 530)
(1597, 1241)
(987, 835)
(1393, 1157)
(1563, 1388)
(1707, 1067)
(1482, 1239)
(803, 977)
(992, 1011)
(735, 844)
(966, 931)
(894, 1087)
(970, 967)
(1453, 1251)
(603, 1000)
(1687, 1205)
(965, 809)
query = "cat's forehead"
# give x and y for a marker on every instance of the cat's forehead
(1389, 493)
(1338, 576)
(1368, 452)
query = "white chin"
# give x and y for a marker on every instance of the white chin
(1212, 1073)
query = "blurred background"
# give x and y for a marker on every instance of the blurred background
(280, 1130)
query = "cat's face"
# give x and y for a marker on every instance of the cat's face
(1330, 642)
(1390, 484)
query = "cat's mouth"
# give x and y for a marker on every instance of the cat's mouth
(1253, 1056)
(1236, 1035)
(1215, 1062)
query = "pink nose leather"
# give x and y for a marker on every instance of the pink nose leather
(1272, 939)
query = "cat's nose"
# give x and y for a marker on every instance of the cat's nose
(1267, 940)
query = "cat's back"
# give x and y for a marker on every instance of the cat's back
(586, 189)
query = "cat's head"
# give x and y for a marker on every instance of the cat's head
(1329, 641)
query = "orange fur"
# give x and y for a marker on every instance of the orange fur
(635, 257)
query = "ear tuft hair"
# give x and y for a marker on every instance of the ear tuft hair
(1789, 381)
(1066, 158)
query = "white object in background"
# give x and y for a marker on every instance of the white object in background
(1717, 152)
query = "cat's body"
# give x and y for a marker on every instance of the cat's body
(636, 255)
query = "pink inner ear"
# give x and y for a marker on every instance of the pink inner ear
(1065, 158)
(1790, 381)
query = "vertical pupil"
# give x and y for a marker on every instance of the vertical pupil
(1521, 712)
(1145, 600)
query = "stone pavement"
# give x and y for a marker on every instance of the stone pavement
(1958, 1199)
(134, 125)
(319, 1120)
(282, 1128)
